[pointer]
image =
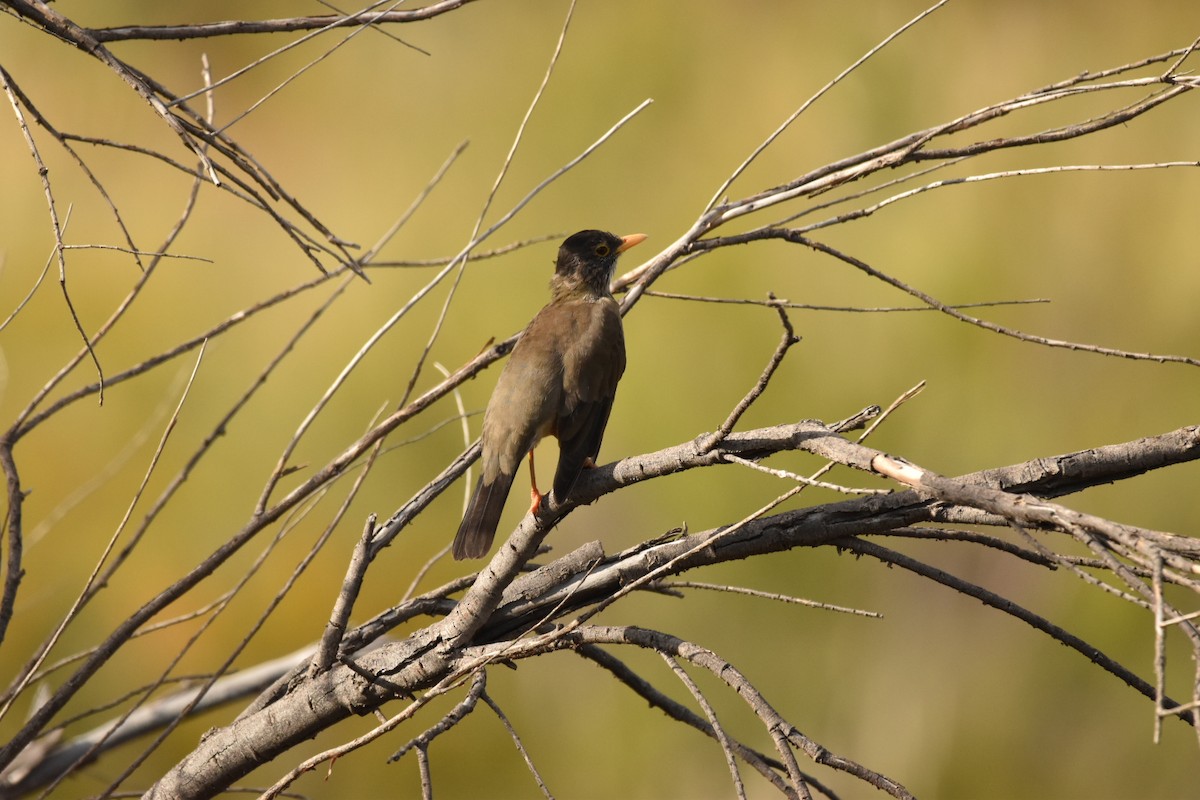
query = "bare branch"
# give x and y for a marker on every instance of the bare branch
(449, 720)
(785, 343)
(43, 16)
(1091, 652)
(768, 767)
(823, 91)
(520, 747)
(339, 619)
(283, 25)
(57, 227)
(795, 237)
(747, 301)
(782, 598)
(411, 664)
(89, 588)
(432, 651)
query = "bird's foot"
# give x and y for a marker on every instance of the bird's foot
(536, 497)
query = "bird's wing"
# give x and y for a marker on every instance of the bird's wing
(526, 399)
(523, 406)
(592, 366)
(574, 451)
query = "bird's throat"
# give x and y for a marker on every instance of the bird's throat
(575, 287)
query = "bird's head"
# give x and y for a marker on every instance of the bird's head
(586, 261)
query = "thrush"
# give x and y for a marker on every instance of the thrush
(560, 380)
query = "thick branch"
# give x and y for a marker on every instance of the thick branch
(430, 655)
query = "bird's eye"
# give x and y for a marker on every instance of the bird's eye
(602, 250)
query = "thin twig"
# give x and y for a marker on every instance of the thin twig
(284, 25)
(448, 720)
(476, 255)
(1092, 653)
(512, 732)
(45, 17)
(339, 618)
(24, 301)
(90, 586)
(296, 73)
(748, 301)
(56, 227)
(866, 211)
(717, 196)
(788, 339)
(904, 397)
(487, 204)
(368, 257)
(791, 476)
(783, 598)
(768, 767)
(281, 465)
(29, 418)
(130, 626)
(797, 238)
(739, 788)
(467, 483)
(258, 624)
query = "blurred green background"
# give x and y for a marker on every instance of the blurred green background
(952, 699)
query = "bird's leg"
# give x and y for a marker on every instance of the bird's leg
(534, 494)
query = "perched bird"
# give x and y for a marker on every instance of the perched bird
(560, 380)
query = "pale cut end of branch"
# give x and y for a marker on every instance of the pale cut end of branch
(898, 470)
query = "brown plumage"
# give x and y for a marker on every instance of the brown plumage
(560, 380)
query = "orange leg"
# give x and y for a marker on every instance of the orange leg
(534, 494)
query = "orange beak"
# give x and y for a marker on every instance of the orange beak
(630, 240)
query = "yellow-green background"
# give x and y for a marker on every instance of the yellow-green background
(950, 698)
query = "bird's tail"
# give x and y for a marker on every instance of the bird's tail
(478, 528)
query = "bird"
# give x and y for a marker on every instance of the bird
(560, 380)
